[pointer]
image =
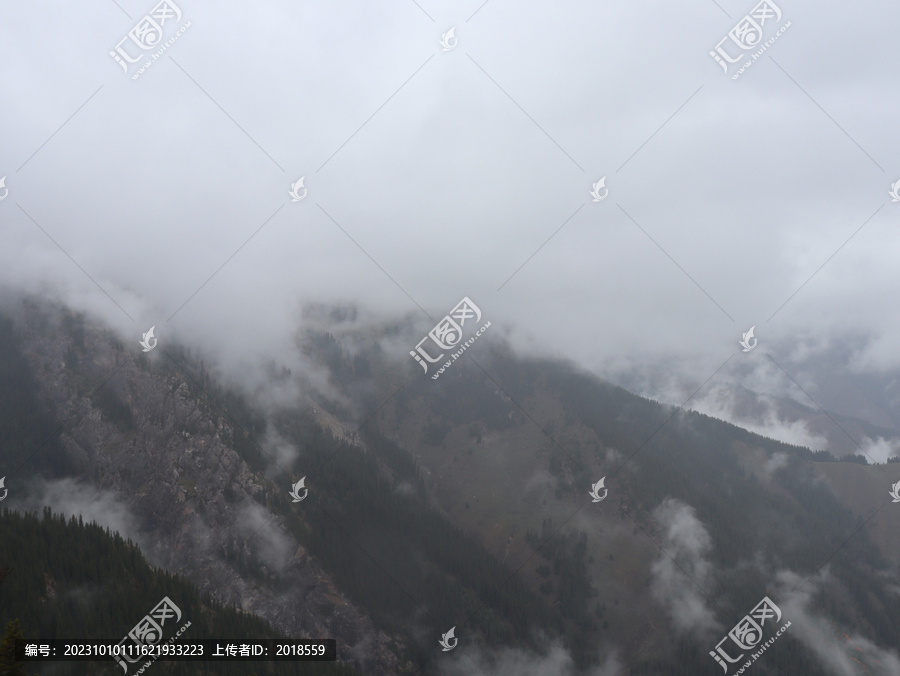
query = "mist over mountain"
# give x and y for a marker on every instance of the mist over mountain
(480, 337)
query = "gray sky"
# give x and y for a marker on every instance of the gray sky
(434, 175)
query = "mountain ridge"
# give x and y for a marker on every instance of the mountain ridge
(505, 450)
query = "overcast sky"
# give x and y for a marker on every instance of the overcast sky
(434, 174)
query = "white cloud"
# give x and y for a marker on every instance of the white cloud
(72, 497)
(840, 650)
(880, 449)
(776, 462)
(682, 567)
(261, 531)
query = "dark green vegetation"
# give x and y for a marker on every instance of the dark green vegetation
(8, 664)
(72, 580)
(396, 556)
(28, 433)
(566, 553)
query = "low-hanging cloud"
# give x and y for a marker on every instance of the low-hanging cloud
(840, 651)
(271, 545)
(73, 497)
(682, 570)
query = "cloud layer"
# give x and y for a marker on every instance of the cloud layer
(432, 175)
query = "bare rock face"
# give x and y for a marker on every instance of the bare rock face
(202, 511)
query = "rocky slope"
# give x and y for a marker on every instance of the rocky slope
(142, 434)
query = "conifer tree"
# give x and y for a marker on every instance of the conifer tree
(8, 664)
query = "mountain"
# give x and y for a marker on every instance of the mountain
(75, 580)
(820, 402)
(462, 502)
(84, 424)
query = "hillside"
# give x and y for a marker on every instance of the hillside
(71, 580)
(458, 503)
(509, 449)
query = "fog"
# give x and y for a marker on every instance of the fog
(435, 174)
